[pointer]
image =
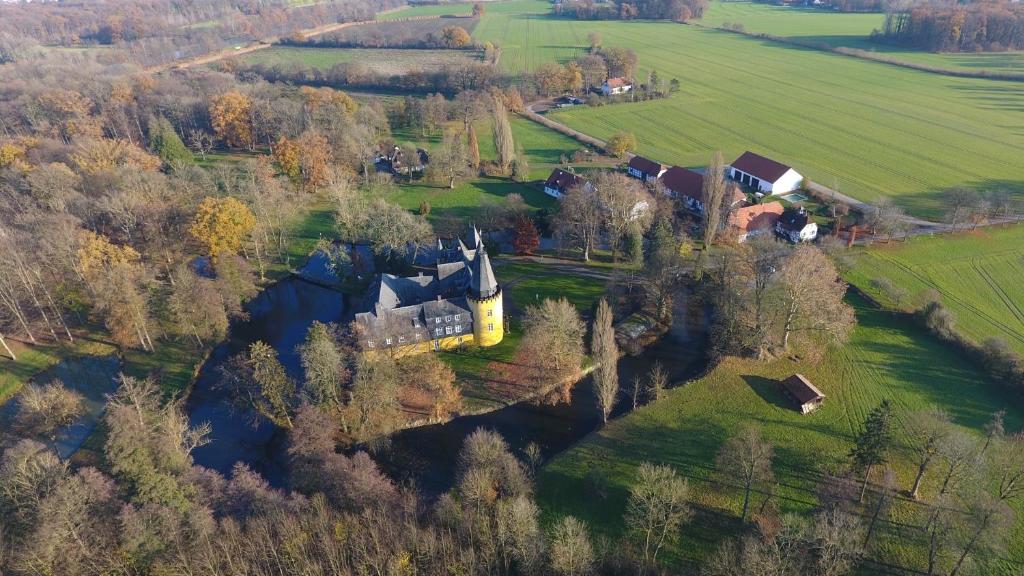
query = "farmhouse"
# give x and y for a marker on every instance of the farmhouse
(806, 395)
(559, 181)
(750, 221)
(458, 304)
(644, 169)
(688, 187)
(614, 86)
(795, 225)
(764, 175)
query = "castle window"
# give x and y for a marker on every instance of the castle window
(401, 339)
(388, 342)
(419, 336)
(490, 327)
(447, 318)
(490, 312)
(437, 320)
(458, 329)
(447, 329)
(438, 332)
(458, 317)
(369, 343)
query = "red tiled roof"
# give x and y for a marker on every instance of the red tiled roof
(684, 182)
(764, 168)
(617, 82)
(562, 180)
(644, 165)
(802, 389)
(756, 217)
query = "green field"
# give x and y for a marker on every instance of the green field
(978, 274)
(849, 30)
(885, 359)
(873, 128)
(382, 61)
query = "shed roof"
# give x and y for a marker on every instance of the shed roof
(759, 166)
(802, 389)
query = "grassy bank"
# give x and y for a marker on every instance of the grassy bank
(885, 359)
(977, 273)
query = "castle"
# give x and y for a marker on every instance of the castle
(460, 303)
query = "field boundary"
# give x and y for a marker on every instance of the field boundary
(870, 56)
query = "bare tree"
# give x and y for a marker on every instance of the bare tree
(813, 303)
(958, 456)
(926, 432)
(606, 356)
(553, 339)
(836, 539)
(714, 193)
(657, 508)
(625, 205)
(504, 144)
(746, 457)
(571, 553)
(580, 218)
(43, 409)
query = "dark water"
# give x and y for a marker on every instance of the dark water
(279, 316)
(427, 455)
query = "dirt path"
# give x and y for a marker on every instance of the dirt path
(268, 42)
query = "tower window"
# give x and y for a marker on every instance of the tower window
(437, 320)
(490, 327)
(490, 312)
(447, 329)
(458, 329)
(447, 318)
(458, 317)
(438, 332)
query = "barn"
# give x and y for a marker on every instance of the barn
(764, 174)
(806, 395)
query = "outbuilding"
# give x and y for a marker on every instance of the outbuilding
(644, 169)
(688, 187)
(806, 395)
(764, 174)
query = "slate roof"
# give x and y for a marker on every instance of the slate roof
(756, 217)
(794, 219)
(759, 166)
(482, 283)
(684, 182)
(644, 165)
(802, 389)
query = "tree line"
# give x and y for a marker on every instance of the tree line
(440, 33)
(675, 10)
(971, 27)
(154, 32)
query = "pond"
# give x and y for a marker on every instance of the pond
(279, 316)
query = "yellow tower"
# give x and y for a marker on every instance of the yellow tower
(484, 297)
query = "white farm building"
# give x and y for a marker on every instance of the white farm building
(764, 174)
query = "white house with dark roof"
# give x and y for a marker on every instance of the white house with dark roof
(560, 181)
(764, 174)
(795, 225)
(644, 169)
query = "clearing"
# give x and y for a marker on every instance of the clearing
(978, 274)
(872, 128)
(887, 358)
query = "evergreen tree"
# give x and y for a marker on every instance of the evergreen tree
(873, 442)
(166, 144)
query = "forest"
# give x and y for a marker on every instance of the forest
(973, 27)
(675, 10)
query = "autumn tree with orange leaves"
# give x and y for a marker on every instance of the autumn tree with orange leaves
(230, 117)
(221, 224)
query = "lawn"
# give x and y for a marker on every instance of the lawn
(381, 61)
(978, 274)
(886, 359)
(872, 128)
(849, 30)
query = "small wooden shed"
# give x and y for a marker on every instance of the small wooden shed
(806, 395)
